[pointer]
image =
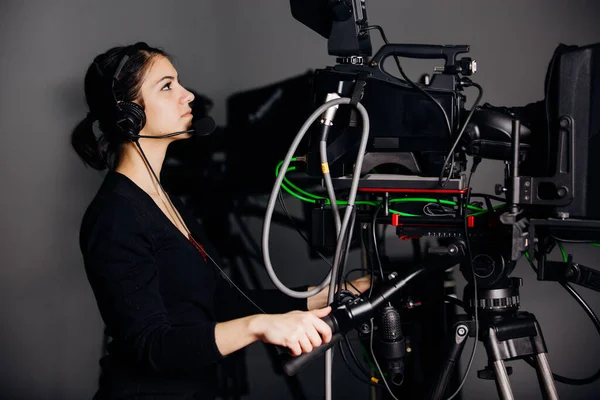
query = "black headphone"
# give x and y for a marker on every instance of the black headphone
(130, 117)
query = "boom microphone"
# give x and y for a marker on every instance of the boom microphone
(202, 127)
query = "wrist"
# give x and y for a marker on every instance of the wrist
(317, 301)
(255, 326)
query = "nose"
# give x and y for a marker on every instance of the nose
(187, 96)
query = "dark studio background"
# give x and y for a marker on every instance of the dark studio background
(51, 335)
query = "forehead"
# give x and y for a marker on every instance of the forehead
(159, 68)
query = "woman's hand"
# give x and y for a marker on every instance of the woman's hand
(299, 331)
(357, 286)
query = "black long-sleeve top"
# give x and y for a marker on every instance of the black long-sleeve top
(158, 296)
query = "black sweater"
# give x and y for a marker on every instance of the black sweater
(158, 297)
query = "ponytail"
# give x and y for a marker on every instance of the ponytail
(90, 150)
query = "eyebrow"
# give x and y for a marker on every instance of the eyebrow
(165, 77)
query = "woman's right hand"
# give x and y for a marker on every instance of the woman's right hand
(299, 331)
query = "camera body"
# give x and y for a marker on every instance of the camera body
(412, 128)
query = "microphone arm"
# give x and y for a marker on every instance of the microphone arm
(168, 135)
(352, 314)
(165, 136)
(202, 127)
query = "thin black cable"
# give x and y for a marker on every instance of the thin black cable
(364, 270)
(574, 241)
(450, 154)
(181, 222)
(455, 301)
(369, 261)
(590, 313)
(354, 373)
(476, 162)
(375, 241)
(287, 212)
(356, 361)
(347, 242)
(285, 209)
(346, 283)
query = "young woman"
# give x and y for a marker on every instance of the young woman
(168, 310)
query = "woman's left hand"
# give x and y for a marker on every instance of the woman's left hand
(357, 286)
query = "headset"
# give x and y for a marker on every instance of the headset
(130, 117)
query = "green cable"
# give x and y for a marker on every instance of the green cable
(312, 198)
(289, 183)
(562, 251)
(296, 195)
(485, 211)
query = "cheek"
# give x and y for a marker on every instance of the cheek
(158, 117)
(152, 114)
(162, 114)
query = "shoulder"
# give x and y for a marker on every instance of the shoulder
(112, 207)
(114, 210)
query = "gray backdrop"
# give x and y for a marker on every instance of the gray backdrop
(51, 332)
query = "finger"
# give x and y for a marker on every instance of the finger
(314, 337)
(306, 345)
(295, 349)
(321, 312)
(323, 329)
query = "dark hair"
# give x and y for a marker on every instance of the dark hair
(98, 152)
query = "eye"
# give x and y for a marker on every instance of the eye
(167, 86)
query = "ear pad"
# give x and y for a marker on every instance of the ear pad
(131, 119)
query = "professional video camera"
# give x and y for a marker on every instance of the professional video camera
(390, 151)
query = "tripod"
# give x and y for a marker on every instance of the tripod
(507, 334)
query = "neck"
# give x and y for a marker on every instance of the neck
(132, 164)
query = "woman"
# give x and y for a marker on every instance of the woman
(168, 310)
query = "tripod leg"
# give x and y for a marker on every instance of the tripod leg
(545, 377)
(502, 382)
(461, 332)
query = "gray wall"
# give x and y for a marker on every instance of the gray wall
(51, 335)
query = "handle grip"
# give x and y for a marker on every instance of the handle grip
(423, 51)
(292, 365)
